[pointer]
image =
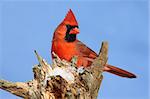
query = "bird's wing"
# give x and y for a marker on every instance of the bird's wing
(85, 51)
(89, 55)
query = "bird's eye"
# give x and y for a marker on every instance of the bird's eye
(68, 26)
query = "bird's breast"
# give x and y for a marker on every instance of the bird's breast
(64, 49)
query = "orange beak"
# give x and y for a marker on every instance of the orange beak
(74, 31)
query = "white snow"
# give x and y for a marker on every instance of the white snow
(64, 73)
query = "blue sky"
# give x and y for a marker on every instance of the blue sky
(29, 25)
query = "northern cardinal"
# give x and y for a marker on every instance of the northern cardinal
(66, 45)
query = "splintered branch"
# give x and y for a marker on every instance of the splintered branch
(18, 88)
(61, 80)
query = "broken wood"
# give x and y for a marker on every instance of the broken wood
(61, 80)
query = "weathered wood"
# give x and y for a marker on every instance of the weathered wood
(61, 80)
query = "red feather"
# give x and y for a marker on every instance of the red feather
(66, 50)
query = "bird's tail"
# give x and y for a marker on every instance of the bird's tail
(118, 71)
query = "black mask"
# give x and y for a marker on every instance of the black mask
(70, 37)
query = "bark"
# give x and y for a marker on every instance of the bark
(61, 80)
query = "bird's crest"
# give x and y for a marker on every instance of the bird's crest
(70, 19)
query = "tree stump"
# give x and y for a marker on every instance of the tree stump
(61, 80)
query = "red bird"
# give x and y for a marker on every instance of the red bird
(66, 45)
